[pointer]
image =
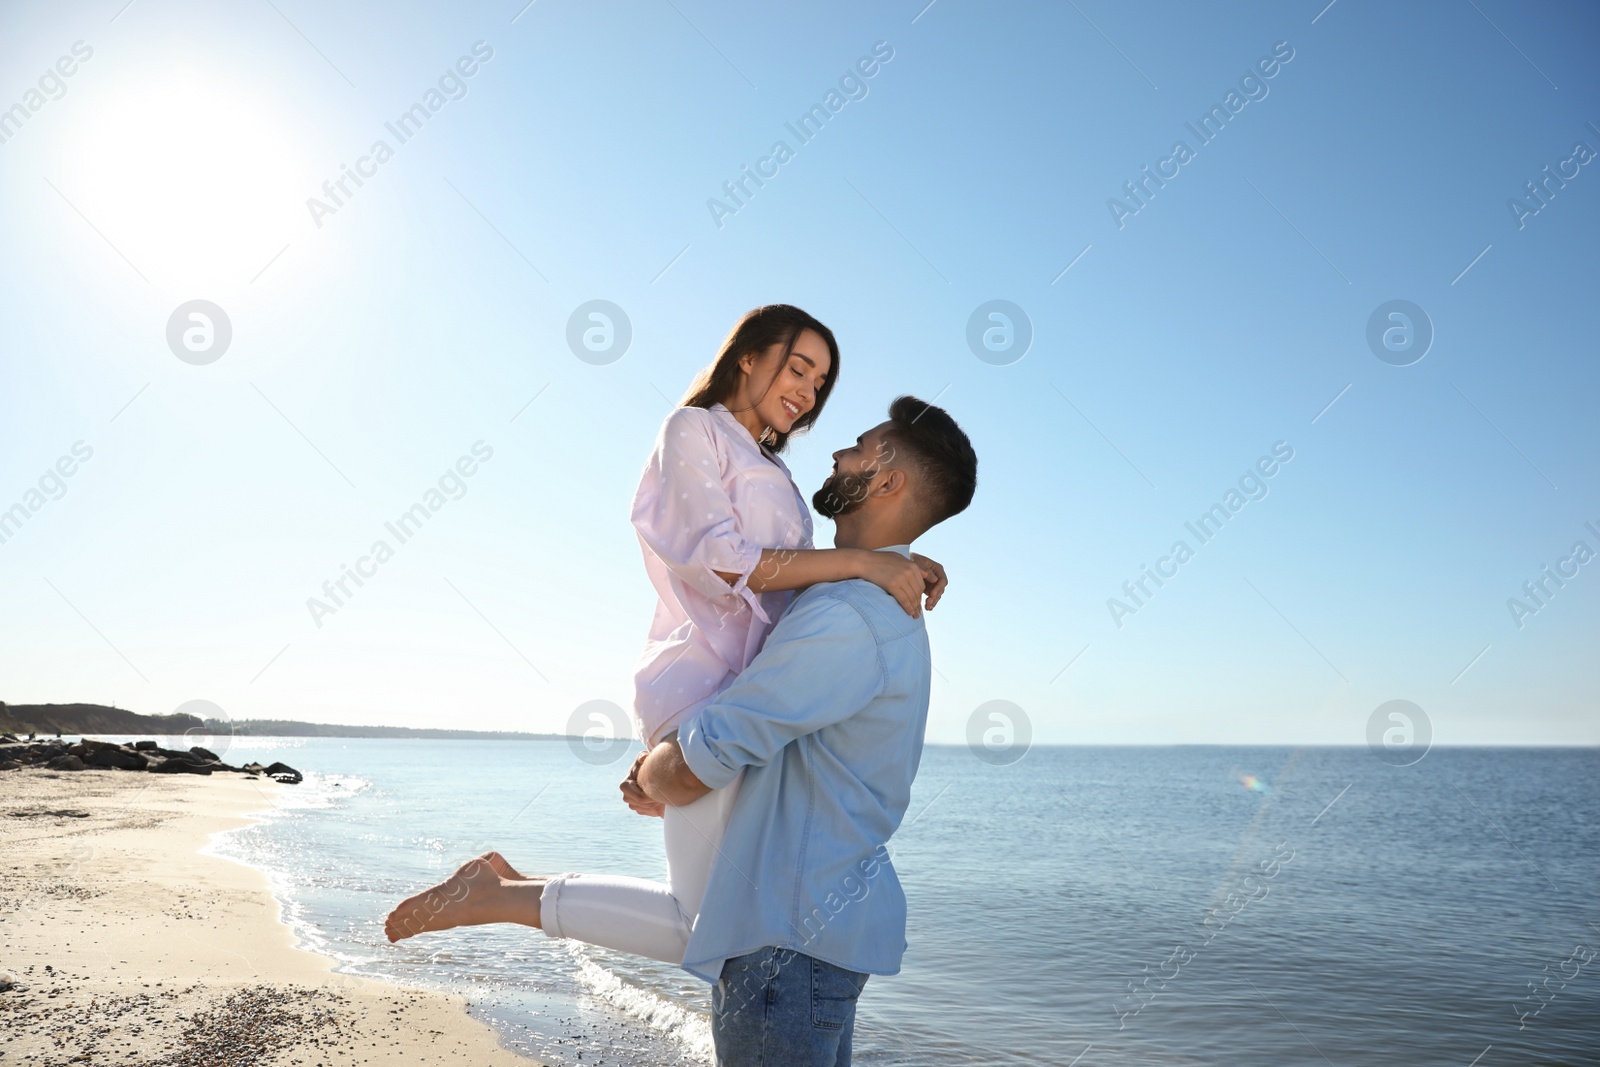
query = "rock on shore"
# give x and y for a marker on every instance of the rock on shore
(58, 755)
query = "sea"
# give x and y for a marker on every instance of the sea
(1082, 906)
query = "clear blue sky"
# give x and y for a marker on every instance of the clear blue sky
(374, 344)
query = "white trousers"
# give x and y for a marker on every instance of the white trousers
(636, 915)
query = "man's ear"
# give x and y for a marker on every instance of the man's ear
(894, 481)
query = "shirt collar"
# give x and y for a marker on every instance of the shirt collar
(904, 550)
(743, 429)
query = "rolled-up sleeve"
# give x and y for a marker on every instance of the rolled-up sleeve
(820, 665)
(684, 515)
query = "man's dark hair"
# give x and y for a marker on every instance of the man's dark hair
(930, 442)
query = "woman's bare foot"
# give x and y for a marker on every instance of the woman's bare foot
(502, 866)
(483, 890)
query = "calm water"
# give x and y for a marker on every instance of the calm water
(1096, 906)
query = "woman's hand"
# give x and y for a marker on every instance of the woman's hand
(635, 797)
(933, 575)
(902, 578)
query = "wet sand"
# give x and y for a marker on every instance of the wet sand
(122, 944)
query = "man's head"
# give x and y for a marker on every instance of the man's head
(901, 477)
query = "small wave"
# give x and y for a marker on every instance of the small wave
(691, 1030)
(321, 791)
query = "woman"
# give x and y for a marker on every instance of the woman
(726, 537)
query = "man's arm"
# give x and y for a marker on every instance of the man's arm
(819, 666)
(665, 777)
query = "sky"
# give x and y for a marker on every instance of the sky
(1349, 276)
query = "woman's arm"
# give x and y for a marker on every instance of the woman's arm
(795, 568)
(684, 516)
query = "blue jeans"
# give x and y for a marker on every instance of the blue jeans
(776, 1007)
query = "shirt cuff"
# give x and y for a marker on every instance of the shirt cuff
(701, 760)
(741, 588)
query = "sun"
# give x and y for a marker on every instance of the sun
(190, 179)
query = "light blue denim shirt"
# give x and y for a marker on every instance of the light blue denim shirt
(827, 723)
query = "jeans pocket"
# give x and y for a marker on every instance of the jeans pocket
(746, 981)
(833, 995)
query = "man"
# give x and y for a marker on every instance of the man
(827, 725)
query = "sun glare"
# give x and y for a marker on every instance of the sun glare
(192, 181)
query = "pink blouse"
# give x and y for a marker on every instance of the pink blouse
(710, 499)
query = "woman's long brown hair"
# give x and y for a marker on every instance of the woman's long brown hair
(757, 331)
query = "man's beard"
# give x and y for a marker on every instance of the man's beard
(840, 495)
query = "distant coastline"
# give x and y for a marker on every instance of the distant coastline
(289, 728)
(80, 719)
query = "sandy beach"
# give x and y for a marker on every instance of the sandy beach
(122, 943)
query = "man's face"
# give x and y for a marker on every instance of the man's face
(855, 468)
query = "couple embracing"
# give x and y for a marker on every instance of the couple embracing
(782, 697)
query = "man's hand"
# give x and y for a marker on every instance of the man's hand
(664, 776)
(635, 797)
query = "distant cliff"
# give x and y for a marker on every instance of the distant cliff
(90, 719)
(21, 719)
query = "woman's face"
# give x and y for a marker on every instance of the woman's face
(780, 391)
